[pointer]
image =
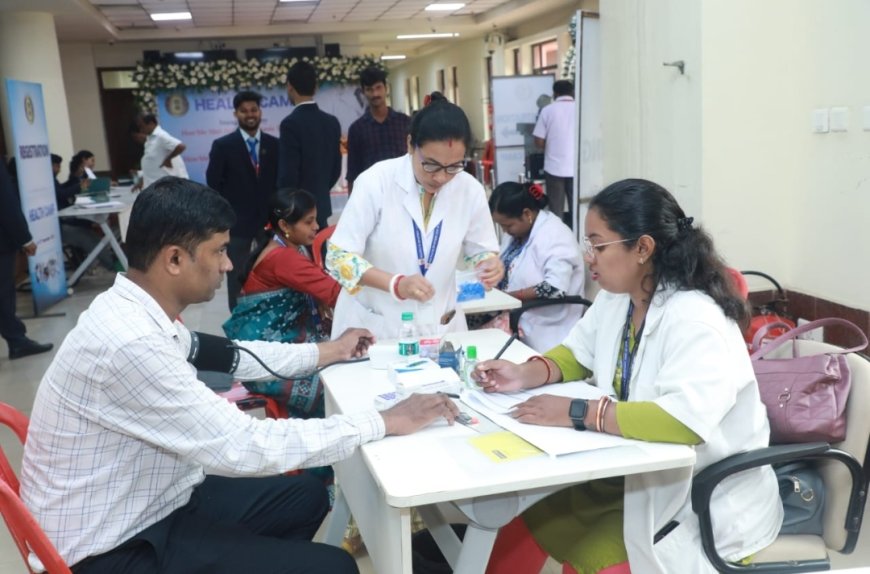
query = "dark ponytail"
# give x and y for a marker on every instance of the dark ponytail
(685, 257)
(288, 204)
(511, 198)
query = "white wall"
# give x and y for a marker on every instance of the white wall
(469, 58)
(652, 113)
(83, 97)
(732, 139)
(29, 52)
(794, 202)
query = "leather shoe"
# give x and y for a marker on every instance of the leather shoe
(27, 347)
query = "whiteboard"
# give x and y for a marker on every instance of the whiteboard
(515, 100)
(510, 163)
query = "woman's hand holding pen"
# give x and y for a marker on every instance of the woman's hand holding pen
(490, 271)
(415, 287)
(498, 376)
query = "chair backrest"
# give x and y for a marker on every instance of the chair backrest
(515, 314)
(17, 422)
(836, 476)
(28, 535)
(318, 248)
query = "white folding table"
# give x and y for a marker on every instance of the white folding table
(384, 480)
(120, 202)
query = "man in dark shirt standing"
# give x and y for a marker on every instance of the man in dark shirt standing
(243, 167)
(380, 133)
(14, 237)
(310, 157)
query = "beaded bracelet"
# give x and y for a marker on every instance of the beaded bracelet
(546, 364)
(394, 287)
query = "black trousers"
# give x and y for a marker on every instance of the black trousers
(558, 189)
(11, 327)
(234, 525)
(239, 251)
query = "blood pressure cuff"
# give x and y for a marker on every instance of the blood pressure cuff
(212, 353)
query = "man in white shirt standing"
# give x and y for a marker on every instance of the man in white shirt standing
(556, 133)
(132, 465)
(162, 154)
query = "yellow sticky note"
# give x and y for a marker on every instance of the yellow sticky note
(504, 446)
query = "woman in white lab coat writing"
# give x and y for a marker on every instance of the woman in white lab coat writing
(405, 227)
(663, 341)
(542, 260)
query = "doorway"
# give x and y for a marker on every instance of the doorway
(119, 118)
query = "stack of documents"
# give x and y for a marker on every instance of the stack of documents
(554, 441)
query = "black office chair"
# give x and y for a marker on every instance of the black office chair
(841, 469)
(515, 314)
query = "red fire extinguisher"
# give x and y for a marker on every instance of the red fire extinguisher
(774, 311)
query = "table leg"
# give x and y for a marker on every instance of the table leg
(88, 260)
(386, 530)
(116, 247)
(486, 515)
(338, 519)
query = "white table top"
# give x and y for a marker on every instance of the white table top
(495, 300)
(438, 464)
(120, 199)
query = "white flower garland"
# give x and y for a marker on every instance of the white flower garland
(233, 75)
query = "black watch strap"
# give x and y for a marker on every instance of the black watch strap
(577, 412)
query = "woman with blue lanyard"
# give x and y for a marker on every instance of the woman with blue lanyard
(663, 342)
(405, 228)
(542, 260)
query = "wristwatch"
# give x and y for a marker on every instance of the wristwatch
(577, 412)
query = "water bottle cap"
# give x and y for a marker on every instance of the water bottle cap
(407, 316)
(471, 352)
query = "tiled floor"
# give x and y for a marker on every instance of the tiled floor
(19, 379)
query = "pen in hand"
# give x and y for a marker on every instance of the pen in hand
(504, 347)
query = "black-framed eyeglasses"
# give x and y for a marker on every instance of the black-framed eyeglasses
(430, 166)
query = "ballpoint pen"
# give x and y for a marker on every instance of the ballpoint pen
(501, 351)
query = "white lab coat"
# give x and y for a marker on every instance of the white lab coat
(377, 224)
(551, 254)
(692, 362)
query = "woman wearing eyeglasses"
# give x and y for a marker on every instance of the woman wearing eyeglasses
(663, 343)
(407, 224)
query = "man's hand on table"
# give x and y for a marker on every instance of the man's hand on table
(417, 411)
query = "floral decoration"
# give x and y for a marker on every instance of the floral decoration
(232, 75)
(568, 64)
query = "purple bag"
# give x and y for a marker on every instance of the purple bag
(805, 396)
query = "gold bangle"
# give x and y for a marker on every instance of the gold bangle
(546, 364)
(603, 413)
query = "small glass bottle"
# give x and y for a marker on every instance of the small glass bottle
(409, 341)
(468, 367)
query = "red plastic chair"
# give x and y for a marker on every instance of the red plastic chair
(28, 535)
(18, 423)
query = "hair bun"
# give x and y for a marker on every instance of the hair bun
(536, 191)
(684, 223)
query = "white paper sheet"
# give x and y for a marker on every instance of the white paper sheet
(552, 440)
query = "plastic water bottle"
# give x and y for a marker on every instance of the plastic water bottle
(409, 341)
(468, 367)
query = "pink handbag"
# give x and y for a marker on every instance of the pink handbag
(805, 396)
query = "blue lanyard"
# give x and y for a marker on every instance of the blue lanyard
(278, 240)
(423, 261)
(628, 356)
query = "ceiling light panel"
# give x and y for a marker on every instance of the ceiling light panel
(445, 6)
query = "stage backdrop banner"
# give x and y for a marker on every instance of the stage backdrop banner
(198, 118)
(36, 189)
